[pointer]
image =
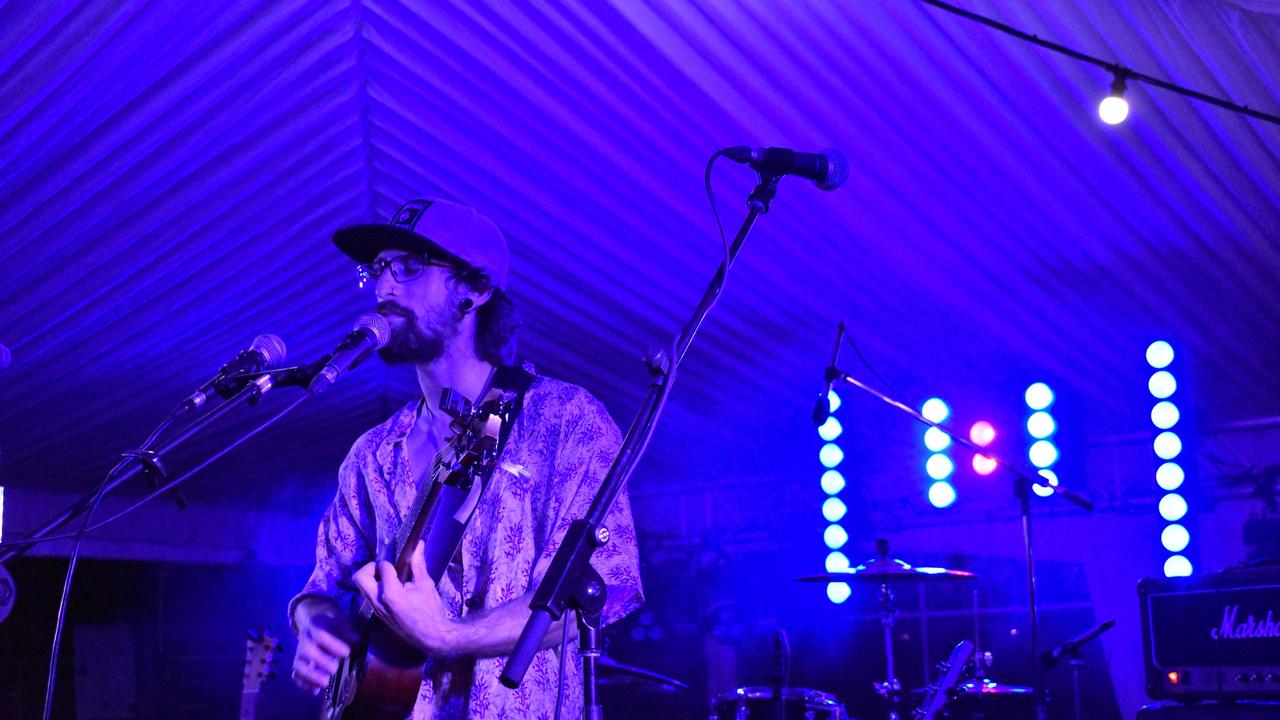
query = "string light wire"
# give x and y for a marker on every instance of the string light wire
(1115, 69)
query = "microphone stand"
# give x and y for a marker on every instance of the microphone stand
(570, 577)
(149, 463)
(1021, 491)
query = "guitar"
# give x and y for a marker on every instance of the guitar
(259, 651)
(381, 676)
(938, 693)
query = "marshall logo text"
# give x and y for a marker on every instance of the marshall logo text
(1249, 629)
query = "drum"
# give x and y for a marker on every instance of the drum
(756, 703)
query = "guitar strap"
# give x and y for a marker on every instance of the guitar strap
(516, 379)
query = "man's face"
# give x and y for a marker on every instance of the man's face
(422, 313)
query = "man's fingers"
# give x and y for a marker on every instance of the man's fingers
(330, 644)
(363, 578)
(311, 656)
(308, 676)
(418, 563)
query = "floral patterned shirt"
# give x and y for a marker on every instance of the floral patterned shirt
(557, 455)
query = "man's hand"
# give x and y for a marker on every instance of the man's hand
(413, 609)
(319, 649)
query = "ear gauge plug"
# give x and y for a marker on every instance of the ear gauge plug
(465, 306)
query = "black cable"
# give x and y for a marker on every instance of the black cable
(60, 622)
(1115, 68)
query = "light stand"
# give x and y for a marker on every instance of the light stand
(1022, 492)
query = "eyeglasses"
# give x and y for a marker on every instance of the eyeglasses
(404, 268)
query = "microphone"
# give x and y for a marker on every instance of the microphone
(822, 407)
(827, 169)
(1072, 646)
(371, 332)
(266, 351)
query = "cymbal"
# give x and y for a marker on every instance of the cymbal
(879, 571)
(989, 687)
(614, 673)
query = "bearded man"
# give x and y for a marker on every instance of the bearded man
(439, 273)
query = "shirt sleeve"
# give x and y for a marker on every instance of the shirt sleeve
(589, 442)
(344, 540)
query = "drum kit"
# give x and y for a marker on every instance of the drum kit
(977, 698)
(971, 699)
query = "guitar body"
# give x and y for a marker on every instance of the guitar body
(381, 678)
(379, 681)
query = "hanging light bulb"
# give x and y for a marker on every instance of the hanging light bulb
(1114, 108)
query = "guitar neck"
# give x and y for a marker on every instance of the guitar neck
(248, 704)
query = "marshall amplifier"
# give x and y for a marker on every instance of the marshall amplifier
(1211, 637)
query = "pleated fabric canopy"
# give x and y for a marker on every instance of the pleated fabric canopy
(171, 173)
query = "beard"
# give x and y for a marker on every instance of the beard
(417, 341)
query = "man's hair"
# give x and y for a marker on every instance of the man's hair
(496, 320)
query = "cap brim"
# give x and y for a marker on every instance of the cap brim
(362, 243)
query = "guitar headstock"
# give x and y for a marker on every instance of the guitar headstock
(259, 651)
(475, 430)
(950, 672)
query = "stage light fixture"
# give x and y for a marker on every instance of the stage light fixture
(1114, 108)
(1041, 425)
(942, 494)
(1173, 507)
(1167, 445)
(982, 433)
(835, 537)
(1039, 396)
(1165, 415)
(838, 592)
(833, 508)
(1043, 453)
(1177, 566)
(1175, 538)
(837, 562)
(1159, 354)
(831, 455)
(983, 465)
(936, 440)
(935, 410)
(1162, 384)
(830, 430)
(1169, 476)
(939, 466)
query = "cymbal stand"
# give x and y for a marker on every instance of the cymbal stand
(890, 689)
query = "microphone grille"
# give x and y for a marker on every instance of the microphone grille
(377, 325)
(837, 170)
(271, 347)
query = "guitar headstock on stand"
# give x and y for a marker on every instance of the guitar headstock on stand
(259, 652)
(950, 671)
